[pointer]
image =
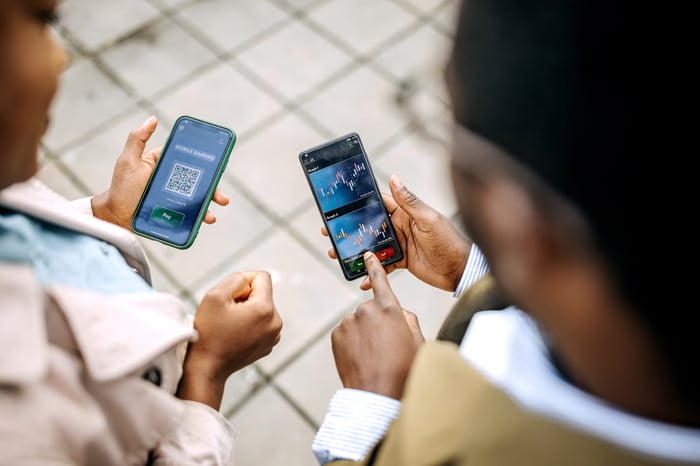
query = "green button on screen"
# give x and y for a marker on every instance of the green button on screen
(168, 216)
(357, 265)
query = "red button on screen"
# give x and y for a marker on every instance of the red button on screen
(385, 253)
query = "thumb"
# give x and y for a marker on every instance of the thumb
(138, 137)
(235, 286)
(414, 326)
(409, 202)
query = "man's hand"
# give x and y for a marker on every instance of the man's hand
(434, 251)
(238, 324)
(374, 346)
(131, 173)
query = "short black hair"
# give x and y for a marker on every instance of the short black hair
(590, 96)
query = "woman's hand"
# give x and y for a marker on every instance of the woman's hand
(131, 174)
(238, 324)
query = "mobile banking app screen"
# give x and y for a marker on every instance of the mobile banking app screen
(182, 179)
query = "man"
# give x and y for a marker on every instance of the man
(588, 364)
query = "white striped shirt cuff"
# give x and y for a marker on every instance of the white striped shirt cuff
(476, 268)
(356, 420)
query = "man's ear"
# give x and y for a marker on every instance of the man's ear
(524, 240)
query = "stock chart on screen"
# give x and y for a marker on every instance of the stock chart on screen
(342, 183)
(362, 229)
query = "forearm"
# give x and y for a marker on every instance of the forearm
(200, 384)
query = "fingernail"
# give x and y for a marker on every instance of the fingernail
(367, 255)
(396, 182)
(148, 121)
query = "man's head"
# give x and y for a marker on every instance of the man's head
(557, 96)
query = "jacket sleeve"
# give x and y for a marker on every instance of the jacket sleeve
(83, 205)
(432, 427)
(204, 437)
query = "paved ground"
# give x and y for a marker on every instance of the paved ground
(285, 75)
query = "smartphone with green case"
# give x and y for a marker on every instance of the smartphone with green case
(178, 193)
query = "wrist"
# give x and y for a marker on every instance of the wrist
(475, 268)
(458, 274)
(201, 383)
(101, 209)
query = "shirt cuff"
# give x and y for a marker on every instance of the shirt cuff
(356, 420)
(476, 268)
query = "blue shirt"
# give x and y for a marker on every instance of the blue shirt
(61, 256)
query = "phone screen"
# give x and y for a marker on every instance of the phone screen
(346, 193)
(178, 194)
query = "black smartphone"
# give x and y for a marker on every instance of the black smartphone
(178, 194)
(351, 205)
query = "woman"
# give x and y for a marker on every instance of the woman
(96, 366)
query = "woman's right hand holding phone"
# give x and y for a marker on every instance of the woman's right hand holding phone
(434, 251)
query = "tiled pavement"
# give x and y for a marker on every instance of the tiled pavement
(285, 75)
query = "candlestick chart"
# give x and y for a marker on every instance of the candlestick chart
(362, 229)
(342, 183)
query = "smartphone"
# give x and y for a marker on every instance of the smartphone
(177, 196)
(351, 205)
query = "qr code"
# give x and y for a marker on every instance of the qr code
(183, 180)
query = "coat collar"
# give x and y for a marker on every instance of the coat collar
(113, 334)
(117, 334)
(38, 200)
